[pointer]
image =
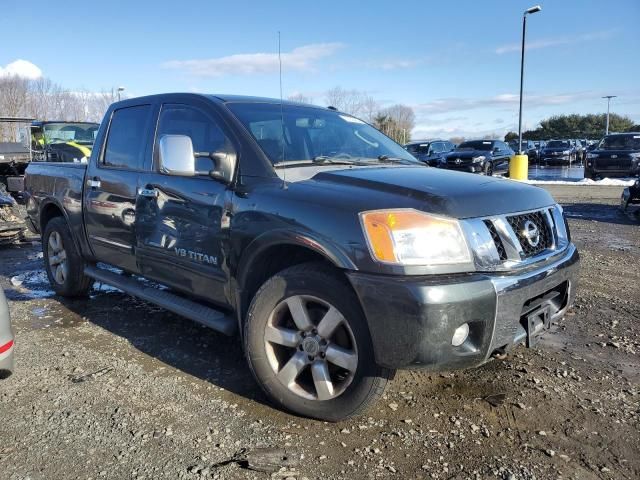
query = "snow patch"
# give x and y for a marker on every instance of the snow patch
(609, 182)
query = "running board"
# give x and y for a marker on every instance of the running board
(184, 307)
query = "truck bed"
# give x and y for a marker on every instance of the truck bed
(60, 183)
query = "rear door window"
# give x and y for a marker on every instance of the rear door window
(127, 138)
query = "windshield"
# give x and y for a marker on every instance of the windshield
(558, 144)
(84, 133)
(418, 148)
(476, 145)
(621, 142)
(311, 134)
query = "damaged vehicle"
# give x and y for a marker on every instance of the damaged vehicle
(630, 196)
(335, 256)
(15, 156)
(12, 223)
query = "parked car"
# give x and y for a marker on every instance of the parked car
(617, 154)
(480, 156)
(558, 152)
(336, 255)
(630, 195)
(528, 147)
(431, 152)
(6, 339)
(62, 141)
(581, 150)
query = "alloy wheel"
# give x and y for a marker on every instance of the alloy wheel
(57, 257)
(311, 347)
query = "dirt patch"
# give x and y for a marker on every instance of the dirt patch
(111, 387)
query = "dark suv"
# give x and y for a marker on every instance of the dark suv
(616, 155)
(558, 152)
(528, 147)
(431, 152)
(480, 156)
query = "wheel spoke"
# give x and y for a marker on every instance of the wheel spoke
(299, 313)
(281, 336)
(341, 357)
(329, 323)
(322, 380)
(58, 275)
(52, 241)
(292, 369)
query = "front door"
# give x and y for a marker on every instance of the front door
(112, 185)
(181, 222)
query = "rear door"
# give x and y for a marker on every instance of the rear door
(112, 184)
(182, 222)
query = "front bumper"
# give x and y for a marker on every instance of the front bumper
(412, 319)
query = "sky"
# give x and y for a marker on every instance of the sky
(456, 63)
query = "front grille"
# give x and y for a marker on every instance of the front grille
(519, 223)
(496, 239)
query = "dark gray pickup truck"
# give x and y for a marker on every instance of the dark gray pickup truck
(335, 254)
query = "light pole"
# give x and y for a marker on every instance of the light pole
(608, 97)
(528, 11)
(120, 89)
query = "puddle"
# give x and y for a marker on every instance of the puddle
(32, 284)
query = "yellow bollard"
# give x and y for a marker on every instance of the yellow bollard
(519, 167)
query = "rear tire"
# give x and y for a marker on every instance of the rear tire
(300, 322)
(63, 263)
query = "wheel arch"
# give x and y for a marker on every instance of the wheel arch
(50, 210)
(273, 252)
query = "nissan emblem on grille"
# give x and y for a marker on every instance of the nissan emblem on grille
(458, 161)
(531, 233)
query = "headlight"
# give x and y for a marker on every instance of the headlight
(479, 159)
(566, 152)
(410, 237)
(592, 155)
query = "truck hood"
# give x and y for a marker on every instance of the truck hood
(443, 192)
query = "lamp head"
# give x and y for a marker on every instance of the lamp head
(534, 9)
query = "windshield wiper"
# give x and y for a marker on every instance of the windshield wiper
(388, 159)
(320, 160)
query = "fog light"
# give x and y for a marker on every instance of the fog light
(460, 335)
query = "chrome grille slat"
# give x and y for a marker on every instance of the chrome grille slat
(504, 248)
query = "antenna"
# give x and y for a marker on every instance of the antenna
(284, 167)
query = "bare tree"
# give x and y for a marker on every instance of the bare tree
(44, 99)
(300, 98)
(396, 122)
(354, 102)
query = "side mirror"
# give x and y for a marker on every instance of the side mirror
(176, 155)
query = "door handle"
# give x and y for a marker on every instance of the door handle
(148, 192)
(95, 183)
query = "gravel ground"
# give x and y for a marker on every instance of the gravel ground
(112, 387)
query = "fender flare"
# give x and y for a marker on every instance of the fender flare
(329, 250)
(56, 203)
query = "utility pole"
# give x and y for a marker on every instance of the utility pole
(608, 97)
(529, 11)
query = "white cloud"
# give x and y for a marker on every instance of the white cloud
(21, 68)
(300, 59)
(555, 42)
(457, 104)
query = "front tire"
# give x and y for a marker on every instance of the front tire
(63, 263)
(308, 345)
